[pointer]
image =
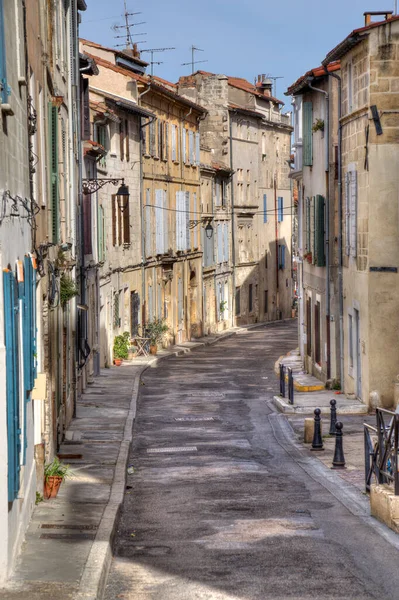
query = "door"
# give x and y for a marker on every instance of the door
(358, 355)
(134, 313)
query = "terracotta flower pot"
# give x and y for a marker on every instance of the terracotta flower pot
(51, 486)
(117, 362)
(153, 348)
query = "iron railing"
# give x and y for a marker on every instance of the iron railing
(381, 453)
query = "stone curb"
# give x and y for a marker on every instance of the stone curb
(95, 573)
(292, 409)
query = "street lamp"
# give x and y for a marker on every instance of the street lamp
(122, 196)
(202, 221)
(90, 186)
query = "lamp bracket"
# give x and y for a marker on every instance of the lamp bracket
(90, 186)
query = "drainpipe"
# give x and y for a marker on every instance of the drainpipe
(276, 242)
(340, 276)
(233, 242)
(327, 220)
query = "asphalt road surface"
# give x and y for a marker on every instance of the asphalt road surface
(219, 508)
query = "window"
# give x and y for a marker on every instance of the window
(175, 147)
(320, 258)
(266, 302)
(120, 221)
(208, 245)
(134, 313)
(307, 113)
(54, 172)
(264, 208)
(161, 222)
(224, 193)
(280, 205)
(152, 137)
(250, 298)
(127, 140)
(309, 326)
(148, 227)
(117, 319)
(101, 135)
(317, 333)
(351, 213)
(4, 88)
(238, 300)
(281, 256)
(182, 220)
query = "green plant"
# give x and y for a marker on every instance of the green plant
(336, 384)
(56, 469)
(155, 331)
(39, 498)
(68, 289)
(318, 125)
(122, 345)
(223, 306)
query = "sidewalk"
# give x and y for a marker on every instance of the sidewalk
(68, 546)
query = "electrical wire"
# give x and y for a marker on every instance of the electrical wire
(191, 212)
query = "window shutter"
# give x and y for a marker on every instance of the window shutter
(166, 140)
(178, 221)
(264, 208)
(150, 304)
(184, 149)
(144, 140)
(174, 131)
(347, 213)
(152, 138)
(29, 324)
(159, 301)
(114, 221)
(353, 213)
(196, 216)
(121, 141)
(191, 146)
(127, 138)
(197, 149)
(307, 221)
(100, 246)
(307, 133)
(87, 225)
(165, 222)
(226, 241)
(280, 209)
(180, 313)
(148, 230)
(220, 243)
(11, 310)
(4, 89)
(55, 201)
(160, 139)
(312, 228)
(126, 223)
(320, 259)
(187, 224)
(159, 234)
(85, 109)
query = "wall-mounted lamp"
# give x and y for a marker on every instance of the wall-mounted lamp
(202, 221)
(122, 196)
(90, 186)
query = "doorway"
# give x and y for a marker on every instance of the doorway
(358, 355)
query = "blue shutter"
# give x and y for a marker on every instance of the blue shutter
(264, 208)
(188, 242)
(280, 209)
(11, 311)
(226, 242)
(4, 88)
(28, 327)
(191, 146)
(307, 134)
(148, 230)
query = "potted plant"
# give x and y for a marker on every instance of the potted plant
(308, 257)
(121, 348)
(155, 331)
(54, 474)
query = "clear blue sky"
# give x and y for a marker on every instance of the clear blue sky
(282, 38)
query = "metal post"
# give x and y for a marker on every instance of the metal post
(333, 416)
(282, 380)
(317, 443)
(290, 386)
(395, 455)
(339, 458)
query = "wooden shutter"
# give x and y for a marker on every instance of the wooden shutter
(166, 140)
(148, 228)
(127, 140)
(100, 233)
(307, 134)
(320, 258)
(144, 139)
(220, 242)
(180, 312)
(159, 301)
(312, 228)
(317, 345)
(114, 220)
(264, 208)
(29, 328)
(347, 213)
(121, 141)
(53, 146)
(85, 110)
(159, 233)
(353, 213)
(197, 149)
(87, 224)
(160, 140)
(174, 132)
(11, 326)
(187, 228)
(309, 327)
(226, 242)
(191, 146)
(125, 216)
(150, 304)
(152, 138)
(165, 222)
(307, 224)
(280, 209)
(196, 216)
(184, 140)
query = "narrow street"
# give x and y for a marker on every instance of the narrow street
(216, 507)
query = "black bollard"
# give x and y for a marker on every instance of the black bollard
(339, 458)
(317, 443)
(333, 418)
(282, 380)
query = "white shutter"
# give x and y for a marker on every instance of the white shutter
(183, 149)
(188, 244)
(165, 222)
(353, 213)
(226, 242)
(148, 229)
(174, 128)
(180, 220)
(159, 239)
(195, 217)
(197, 149)
(191, 146)
(220, 243)
(347, 213)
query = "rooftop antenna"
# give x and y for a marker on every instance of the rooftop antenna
(396, 7)
(152, 50)
(275, 83)
(127, 26)
(193, 61)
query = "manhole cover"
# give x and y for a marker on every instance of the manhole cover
(195, 419)
(175, 449)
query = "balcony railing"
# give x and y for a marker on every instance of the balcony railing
(381, 449)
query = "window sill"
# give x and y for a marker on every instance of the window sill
(7, 110)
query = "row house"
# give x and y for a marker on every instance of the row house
(246, 130)
(361, 226)
(39, 185)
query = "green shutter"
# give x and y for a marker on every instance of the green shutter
(320, 258)
(307, 134)
(53, 148)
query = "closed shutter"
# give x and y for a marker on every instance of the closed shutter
(165, 222)
(197, 149)
(184, 139)
(144, 140)
(191, 146)
(307, 224)
(85, 110)
(152, 138)
(307, 133)
(179, 216)
(347, 213)
(11, 311)
(353, 213)
(127, 139)
(226, 242)
(100, 240)
(174, 132)
(121, 141)
(53, 146)
(166, 140)
(280, 209)
(148, 230)
(114, 221)
(218, 200)
(187, 223)
(159, 234)
(160, 140)
(29, 327)
(220, 243)
(264, 208)
(159, 301)
(126, 221)
(4, 89)
(87, 224)
(150, 304)
(196, 216)
(320, 258)
(312, 228)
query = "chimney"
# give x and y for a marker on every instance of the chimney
(385, 13)
(264, 85)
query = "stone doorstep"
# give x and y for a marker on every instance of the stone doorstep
(384, 505)
(303, 382)
(291, 409)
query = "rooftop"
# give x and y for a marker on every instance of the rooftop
(302, 82)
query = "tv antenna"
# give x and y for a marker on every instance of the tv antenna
(274, 83)
(193, 61)
(152, 51)
(127, 35)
